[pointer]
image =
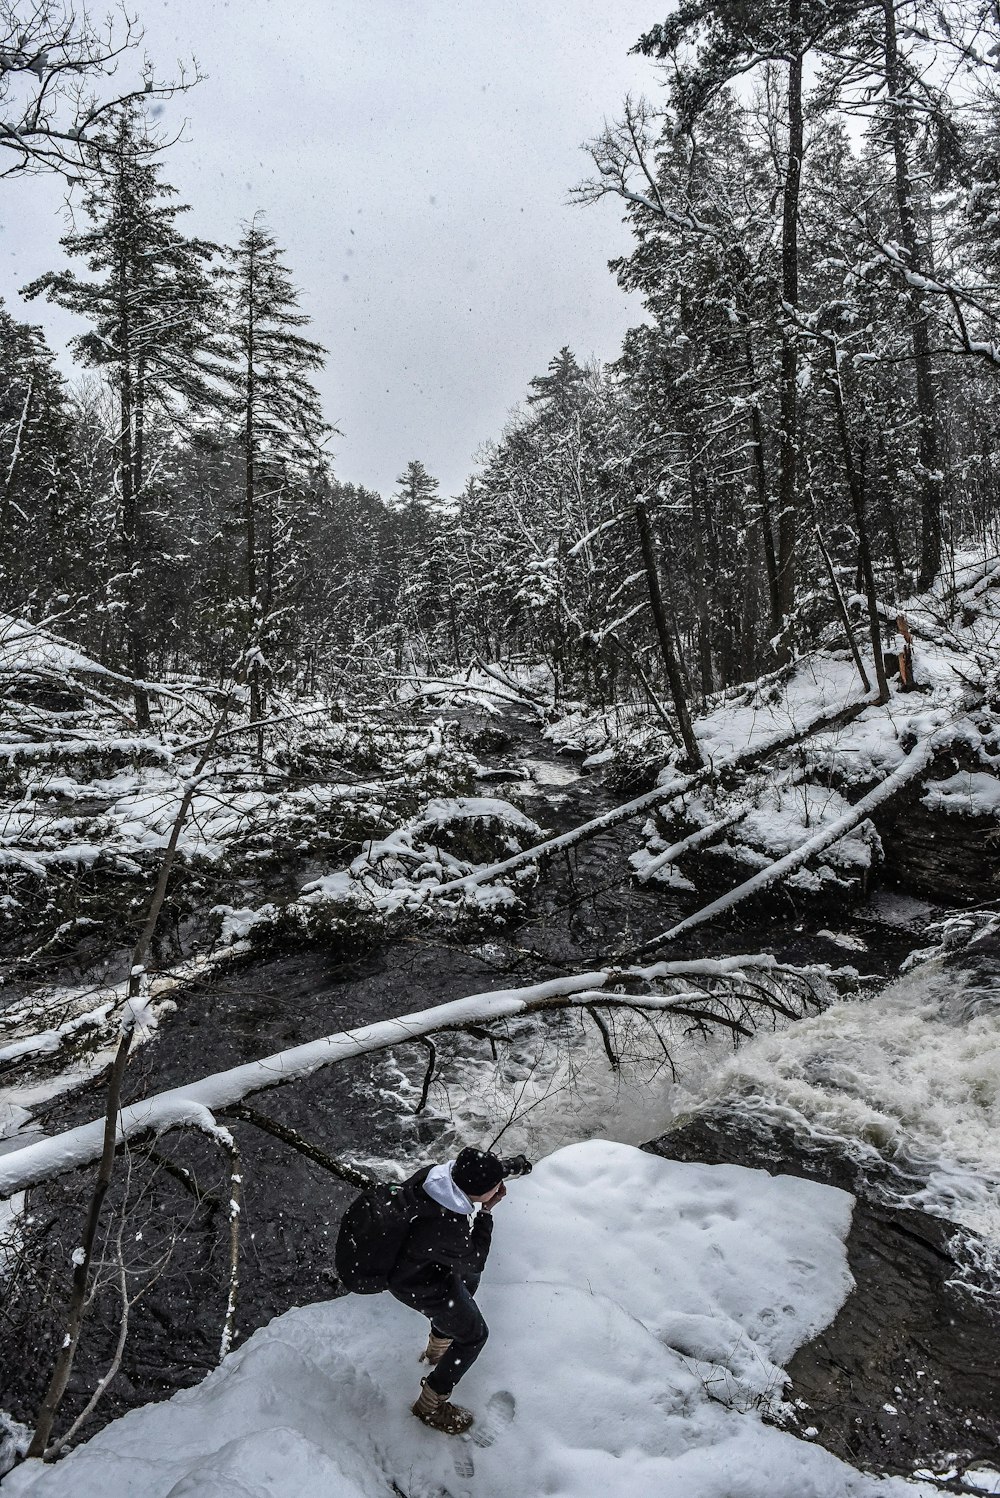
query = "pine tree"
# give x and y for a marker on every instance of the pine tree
(152, 307)
(418, 523)
(281, 426)
(562, 386)
(36, 533)
(416, 486)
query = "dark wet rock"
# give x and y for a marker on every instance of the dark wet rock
(945, 856)
(906, 1374)
(952, 859)
(489, 739)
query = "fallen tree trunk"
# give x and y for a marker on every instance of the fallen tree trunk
(669, 791)
(913, 765)
(437, 683)
(195, 1104)
(689, 844)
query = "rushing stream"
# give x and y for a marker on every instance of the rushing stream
(550, 1084)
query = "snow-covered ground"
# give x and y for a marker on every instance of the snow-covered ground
(640, 1310)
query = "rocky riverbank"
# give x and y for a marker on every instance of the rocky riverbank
(906, 1375)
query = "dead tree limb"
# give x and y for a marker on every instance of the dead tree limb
(609, 1050)
(845, 617)
(307, 1147)
(188, 1105)
(428, 1074)
(187, 1179)
(690, 844)
(654, 701)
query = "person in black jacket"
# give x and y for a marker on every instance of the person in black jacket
(438, 1273)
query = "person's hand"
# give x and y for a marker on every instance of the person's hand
(497, 1196)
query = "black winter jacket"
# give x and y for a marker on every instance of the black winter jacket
(440, 1242)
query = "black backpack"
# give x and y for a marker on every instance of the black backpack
(372, 1233)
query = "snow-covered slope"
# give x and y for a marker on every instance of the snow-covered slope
(640, 1310)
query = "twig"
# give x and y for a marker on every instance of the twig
(429, 1073)
(609, 1050)
(297, 1141)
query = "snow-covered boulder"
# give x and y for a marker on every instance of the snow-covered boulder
(640, 1311)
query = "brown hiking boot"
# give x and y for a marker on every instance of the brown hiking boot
(437, 1411)
(435, 1350)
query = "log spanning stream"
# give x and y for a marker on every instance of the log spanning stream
(550, 1084)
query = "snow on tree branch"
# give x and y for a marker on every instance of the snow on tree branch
(195, 1104)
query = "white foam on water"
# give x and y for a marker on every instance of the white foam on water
(551, 1086)
(913, 1073)
(548, 772)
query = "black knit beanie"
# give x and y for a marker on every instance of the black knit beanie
(476, 1172)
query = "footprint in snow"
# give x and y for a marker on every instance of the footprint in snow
(464, 1465)
(499, 1412)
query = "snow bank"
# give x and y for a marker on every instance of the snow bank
(967, 793)
(626, 1296)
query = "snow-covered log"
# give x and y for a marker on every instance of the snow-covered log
(191, 1104)
(670, 790)
(690, 843)
(915, 763)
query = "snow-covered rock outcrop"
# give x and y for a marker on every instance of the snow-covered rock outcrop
(640, 1308)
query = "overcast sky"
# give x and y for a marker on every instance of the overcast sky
(414, 158)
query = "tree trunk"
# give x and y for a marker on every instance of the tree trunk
(663, 631)
(788, 435)
(135, 643)
(15, 456)
(856, 485)
(250, 503)
(763, 497)
(698, 529)
(928, 451)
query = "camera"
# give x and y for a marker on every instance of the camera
(516, 1165)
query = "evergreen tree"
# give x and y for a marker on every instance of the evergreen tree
(416, 486)
(281, 427)
(152, 307)
(562, 386)
(37, 531)
(418, 524)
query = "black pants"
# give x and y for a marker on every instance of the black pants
(452, 1311)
